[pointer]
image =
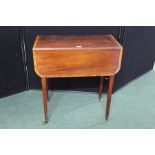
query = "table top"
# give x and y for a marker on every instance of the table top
(75, 42)
(76, 55)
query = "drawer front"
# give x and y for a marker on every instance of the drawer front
(77, 63)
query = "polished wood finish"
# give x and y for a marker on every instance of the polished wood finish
(75, 42)
(111, 82)
(44, 91)
(47, 89)
(77, 63)
(58, 56)
(84, 56)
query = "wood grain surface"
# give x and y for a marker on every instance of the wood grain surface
(76, 55)
(76, 42)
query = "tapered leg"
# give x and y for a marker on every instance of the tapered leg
(101, 87)
(111, 82)
(44, 91)
(47, 90)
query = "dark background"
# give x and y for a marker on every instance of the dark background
(16, 63)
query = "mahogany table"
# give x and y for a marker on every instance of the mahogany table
(61, 56)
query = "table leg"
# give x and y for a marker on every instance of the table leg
(111, 82)
(44, 91)
(101, 87)
(47, 90)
